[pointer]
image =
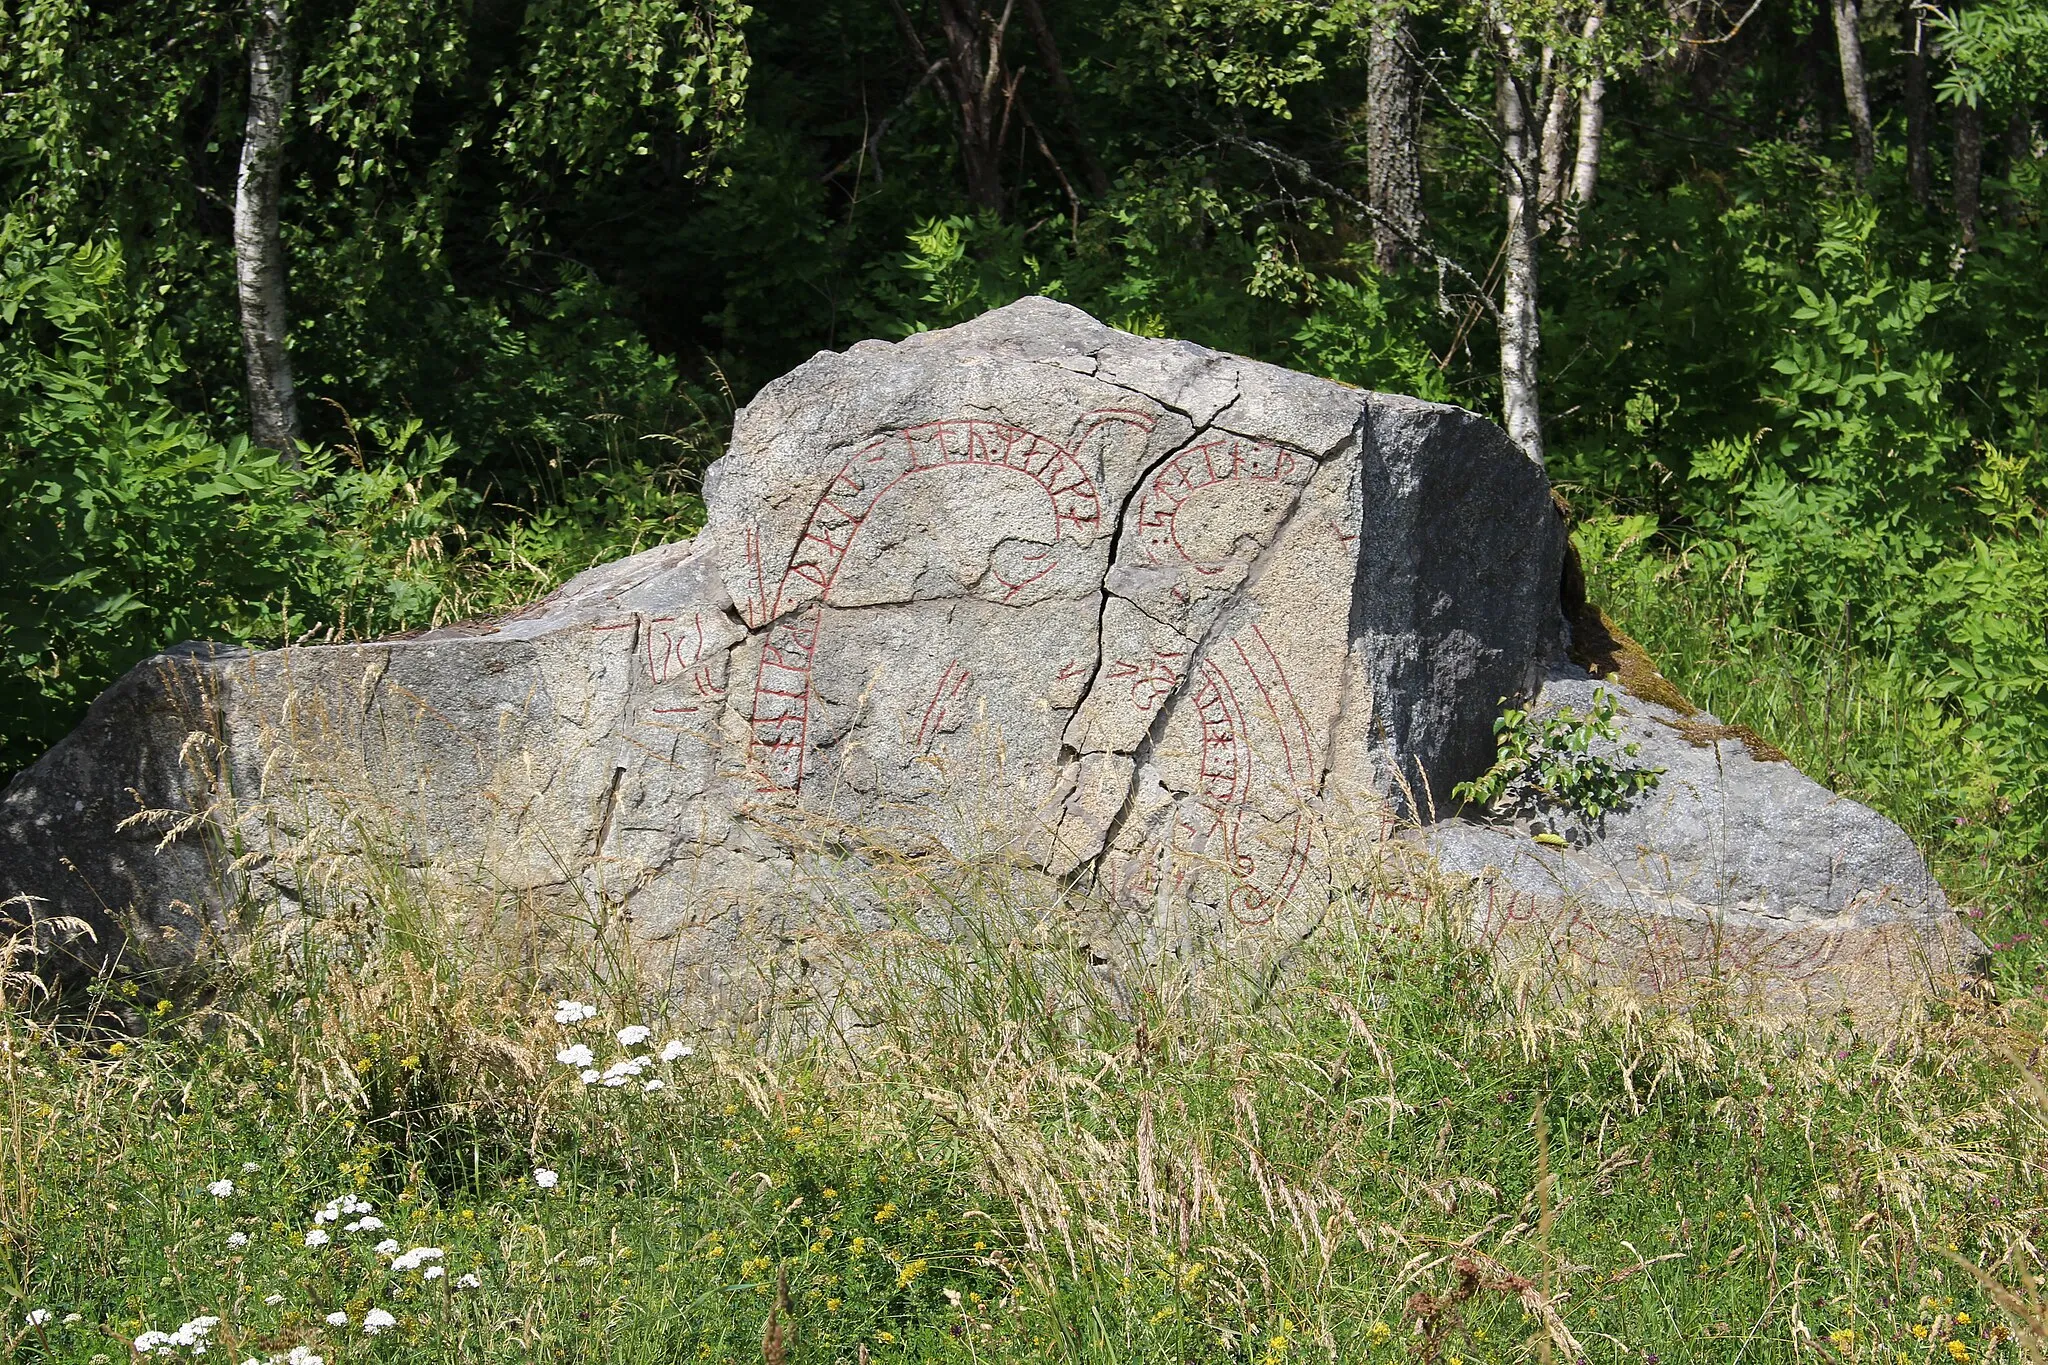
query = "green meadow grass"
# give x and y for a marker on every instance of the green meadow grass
(1392, 1156)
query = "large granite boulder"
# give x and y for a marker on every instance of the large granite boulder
(1130, 615)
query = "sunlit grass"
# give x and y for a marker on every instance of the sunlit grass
(1390, 1157)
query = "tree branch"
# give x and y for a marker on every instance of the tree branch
(1306, 174)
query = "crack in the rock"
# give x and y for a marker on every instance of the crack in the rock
(1199, 647)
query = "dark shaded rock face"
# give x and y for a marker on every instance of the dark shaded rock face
(1139, 616)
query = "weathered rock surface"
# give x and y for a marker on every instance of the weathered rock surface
(1736, 868)
(1140, 615)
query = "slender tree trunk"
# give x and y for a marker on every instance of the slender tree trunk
(259, 249)
(977, 82)
(1520, 329)
(1919, 111)
(1393, 146)
(1969, 172)
(1557, 108)
(983, 95)
(1592, 127)
(1092, 173)
(1855, 92)
(2019, 149)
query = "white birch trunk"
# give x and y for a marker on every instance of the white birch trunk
(1855, 93)
(1520, 329)
(1592, 126)
(259, 250)
(1556, 110)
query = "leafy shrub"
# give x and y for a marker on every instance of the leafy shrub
(132, 527)
(1549, 762)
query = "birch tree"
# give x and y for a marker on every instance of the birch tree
(1855, 90)
(259, 247)
(1521, 331)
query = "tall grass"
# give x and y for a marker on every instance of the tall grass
(1001, 1151)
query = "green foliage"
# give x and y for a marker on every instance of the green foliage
(130, 526)
(1997, 52)
(134, 528)
(1550, 762)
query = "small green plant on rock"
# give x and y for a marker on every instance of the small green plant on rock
(1548, 761)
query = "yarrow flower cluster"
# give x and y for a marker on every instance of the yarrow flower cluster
(340, 1206)
(414, 1259)
(191, 1338)
(546, 1178)
(569, 1012)
(623, 1070)
(238, 1239)
(337, 1208)
(298, 1355)
(221, 1189)
(377, 1320)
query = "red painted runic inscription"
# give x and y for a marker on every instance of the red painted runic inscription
(952, 686)
(781, 719)
(1240, 689)
(1150, 680)
(1226, 459)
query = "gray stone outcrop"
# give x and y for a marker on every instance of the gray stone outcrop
(1139, 617)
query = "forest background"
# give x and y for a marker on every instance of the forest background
(331, 318)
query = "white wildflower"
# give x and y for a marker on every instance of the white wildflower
(432, 1272)
(317, 1237)
(38, 1316)
(301, 1355)
(546, 1178)
(414, 1259)
(369, 1224)
(387, 1247)
(633, 1034)
(576, 1054)
(676, 1050)
(470, 1281)
(238, 1239)
(250, 1167)
(191, 1336)
(337, 1319)
(589, 1077)
(376, 1320)
(221, 1189)
(651, 1086)
(573, 1011)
